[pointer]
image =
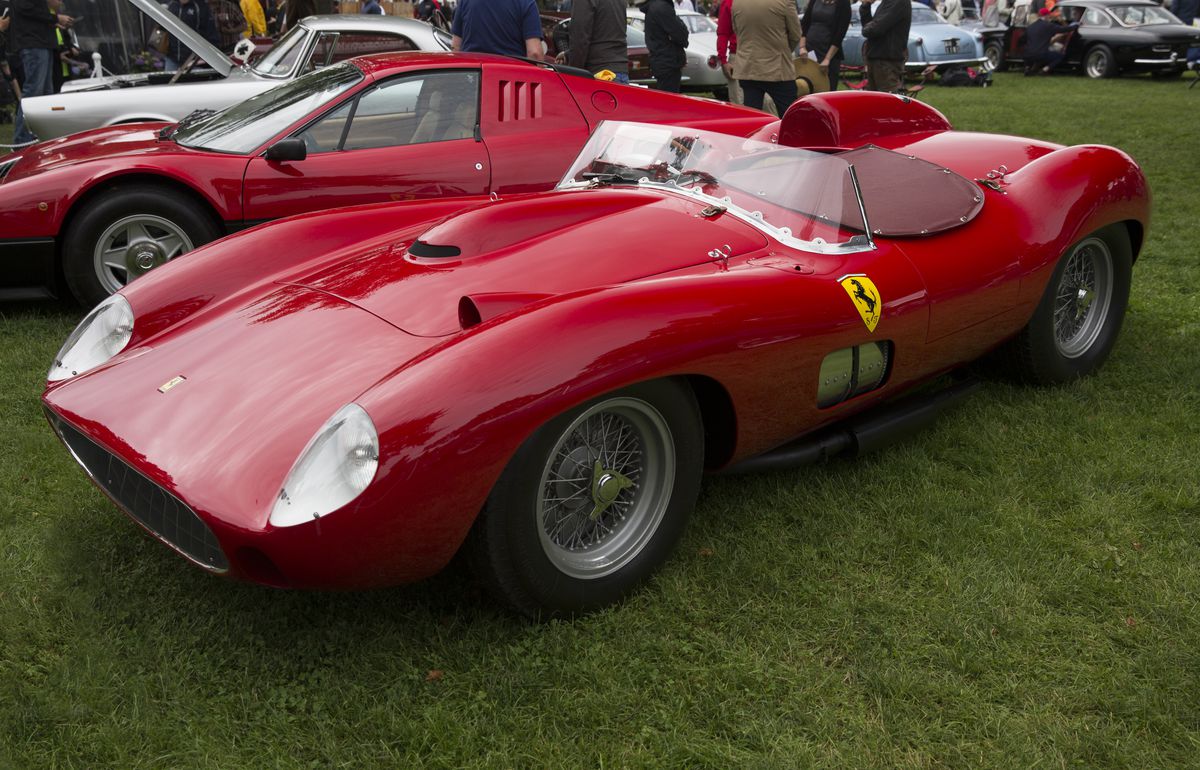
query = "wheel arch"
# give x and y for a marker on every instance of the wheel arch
(719, 419)
(106, 185)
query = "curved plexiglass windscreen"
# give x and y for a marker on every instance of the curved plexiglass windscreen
(790, 193)
(244, 127)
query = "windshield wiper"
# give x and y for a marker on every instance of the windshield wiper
(195, 116)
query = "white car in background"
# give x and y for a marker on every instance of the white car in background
(316, 41)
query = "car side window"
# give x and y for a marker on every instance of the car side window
(434, 107)
(1020, 16)
(350, 44)
(321, 51)
(1094, 17)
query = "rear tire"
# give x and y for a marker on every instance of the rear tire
(126, 232)
(993, 52)
(1079, 317)
(1099, 62)
(592, 503)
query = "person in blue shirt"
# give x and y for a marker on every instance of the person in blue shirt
(507, 27)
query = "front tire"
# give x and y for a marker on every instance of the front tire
(127, 232)
(1099, 62)
(1076, 324)
(592, 503)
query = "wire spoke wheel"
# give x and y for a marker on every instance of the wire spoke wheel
(605, 487)
(1083, 297)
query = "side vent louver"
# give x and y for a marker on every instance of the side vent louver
(519, 100)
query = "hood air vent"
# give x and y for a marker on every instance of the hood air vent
(420, 248)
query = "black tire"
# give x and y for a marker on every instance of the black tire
(1099, 62)
(1070, 335)
(548, 568)
(171, 223)
(993, 52)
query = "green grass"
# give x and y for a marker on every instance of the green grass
(1016, 587)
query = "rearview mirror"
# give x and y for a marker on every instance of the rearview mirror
(287, 149)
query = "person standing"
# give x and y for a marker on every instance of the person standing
(684, 5)
(598, 39)
(727, 47)
(256, 20)
(885, 44)
(506, 27)
(666, 39)
(823, 29)
(196, 15)
(767, 33)
(32, 36)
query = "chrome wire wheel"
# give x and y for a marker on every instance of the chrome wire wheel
(605, 487)
(1097, 63)
(1083, 297)
(134, 245)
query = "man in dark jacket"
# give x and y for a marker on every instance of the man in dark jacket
(196, 15)
(598, 37)
(885, 48)
(32, 37)
(666, 39)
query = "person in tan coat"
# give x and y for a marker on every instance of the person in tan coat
(767, 33)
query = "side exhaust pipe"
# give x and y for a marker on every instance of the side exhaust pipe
(867, 432)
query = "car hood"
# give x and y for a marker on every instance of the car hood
(188, 36)
(259, 378)
(139, 140)
(521, 250)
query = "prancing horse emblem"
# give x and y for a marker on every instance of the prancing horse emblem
(865, 297)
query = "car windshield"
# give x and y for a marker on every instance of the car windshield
(792, 194)
(244, 127)
(634, 37)
(926, 16)
(1142, 15)
(281, 59)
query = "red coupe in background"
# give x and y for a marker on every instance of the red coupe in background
(105, 206)
(344, 399)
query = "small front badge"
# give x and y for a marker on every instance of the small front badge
(865, 297)
(171, 383)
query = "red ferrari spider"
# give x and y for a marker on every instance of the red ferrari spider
(345, 399)
(102, 207)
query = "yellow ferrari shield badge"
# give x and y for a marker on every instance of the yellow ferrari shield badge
(865, 297)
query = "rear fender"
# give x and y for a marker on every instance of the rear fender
(1068, 194)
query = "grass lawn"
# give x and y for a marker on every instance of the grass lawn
(1016, 587)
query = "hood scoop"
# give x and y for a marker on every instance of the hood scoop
(503, 256)
(498, 226)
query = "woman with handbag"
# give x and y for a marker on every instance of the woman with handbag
(823, 29)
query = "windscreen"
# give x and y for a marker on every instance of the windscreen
(794, 193)
(244, 127)
(281, 59)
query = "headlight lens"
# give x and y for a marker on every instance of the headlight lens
(104, 333)
(336, 466)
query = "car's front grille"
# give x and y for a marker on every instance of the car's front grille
(157, 509)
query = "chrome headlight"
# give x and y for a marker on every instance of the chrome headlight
(336, 466)
(104, 333)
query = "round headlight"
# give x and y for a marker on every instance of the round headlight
(336, 466)
(104, 333)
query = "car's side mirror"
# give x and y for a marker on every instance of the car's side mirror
(292, 148)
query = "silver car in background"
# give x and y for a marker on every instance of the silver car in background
(317, 41)
(702, 72)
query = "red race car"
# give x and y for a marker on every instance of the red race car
(344, 399)
(105, 206)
